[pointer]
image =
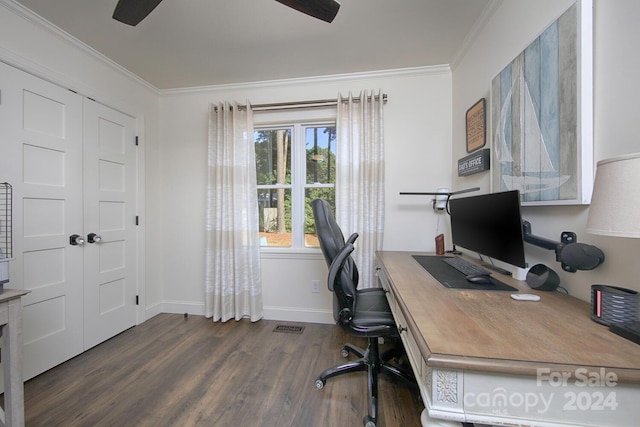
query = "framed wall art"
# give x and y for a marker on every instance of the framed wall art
(542, 115)
(476, 126)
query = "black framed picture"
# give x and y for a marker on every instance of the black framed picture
(476, 126)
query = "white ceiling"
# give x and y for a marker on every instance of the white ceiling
(191, 43)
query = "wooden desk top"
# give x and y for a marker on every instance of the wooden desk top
(10, 294)
(489, 331)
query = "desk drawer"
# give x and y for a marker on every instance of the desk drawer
(407, 338)
(4, 314)
(409, 342)
(383, 282)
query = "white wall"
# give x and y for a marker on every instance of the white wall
(424, 134)
(512, 26)
(29, 43)
(173, 130)
(417, 135)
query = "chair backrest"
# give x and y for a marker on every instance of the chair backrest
(332, 243)
(331, 238)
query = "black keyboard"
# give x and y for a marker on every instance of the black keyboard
(465, 267)
(449, 277)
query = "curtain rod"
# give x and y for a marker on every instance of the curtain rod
(304, 104)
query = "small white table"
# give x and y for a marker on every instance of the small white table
(11, 324)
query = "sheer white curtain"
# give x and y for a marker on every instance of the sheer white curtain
(360, 176)
(233, 287)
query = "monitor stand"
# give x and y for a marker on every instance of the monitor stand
(485, 264)
(494, 268)
(454, 251)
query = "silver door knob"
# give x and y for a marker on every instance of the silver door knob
(94, 238)
(76, 240)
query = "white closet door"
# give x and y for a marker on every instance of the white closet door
(109, 220)
(41, 156)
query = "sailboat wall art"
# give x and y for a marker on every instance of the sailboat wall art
(542, 115)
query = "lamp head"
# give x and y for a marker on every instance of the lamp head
(615, 201)
(581, 256)
(442, 197)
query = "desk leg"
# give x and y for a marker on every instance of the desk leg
(12, 361)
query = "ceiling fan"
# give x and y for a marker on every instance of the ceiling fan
(132, 12)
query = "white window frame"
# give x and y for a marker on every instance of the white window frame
(298, 185)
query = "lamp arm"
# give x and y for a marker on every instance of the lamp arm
(541, 242)
(433, 193)
(572, 255)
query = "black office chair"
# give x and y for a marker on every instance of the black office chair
(362, 313)
(331, 242)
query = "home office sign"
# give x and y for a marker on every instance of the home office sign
(478, 161)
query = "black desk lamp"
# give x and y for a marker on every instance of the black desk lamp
(441, 202)
(572, 255)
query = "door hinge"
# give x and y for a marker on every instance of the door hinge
(137, 142)
(137, 220)
(137, 299)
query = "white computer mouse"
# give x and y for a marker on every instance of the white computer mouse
(525, 297)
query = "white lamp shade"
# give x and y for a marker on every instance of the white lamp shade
(615, 203)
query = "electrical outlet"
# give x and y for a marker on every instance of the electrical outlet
(315, 286)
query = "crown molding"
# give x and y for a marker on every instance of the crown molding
(477, 28)
(30, 66)
(35, 68)
(400, 72)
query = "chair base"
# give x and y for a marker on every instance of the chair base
(354, 349)
(371, 362)
(395, 351)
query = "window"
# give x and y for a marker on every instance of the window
(294, 164)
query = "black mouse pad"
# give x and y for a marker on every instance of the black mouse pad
(449, 277)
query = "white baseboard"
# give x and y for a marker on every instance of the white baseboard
(152, 311)
(290, 314)
(287, 314)
(181, 307)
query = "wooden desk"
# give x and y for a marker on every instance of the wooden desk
(483, 357)
(11, 326)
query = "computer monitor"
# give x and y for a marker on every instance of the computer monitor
(489, 224)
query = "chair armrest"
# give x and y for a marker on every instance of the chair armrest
(338, 264)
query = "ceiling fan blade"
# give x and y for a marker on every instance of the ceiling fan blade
(131, 12)
(325, 10)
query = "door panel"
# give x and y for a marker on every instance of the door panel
(72, 165)
(41, 126)
(109, 198)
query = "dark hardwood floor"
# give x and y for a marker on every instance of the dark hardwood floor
(177, 371)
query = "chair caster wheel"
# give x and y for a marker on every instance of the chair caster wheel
(369, 422)
(319, 384)
(344, 353)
